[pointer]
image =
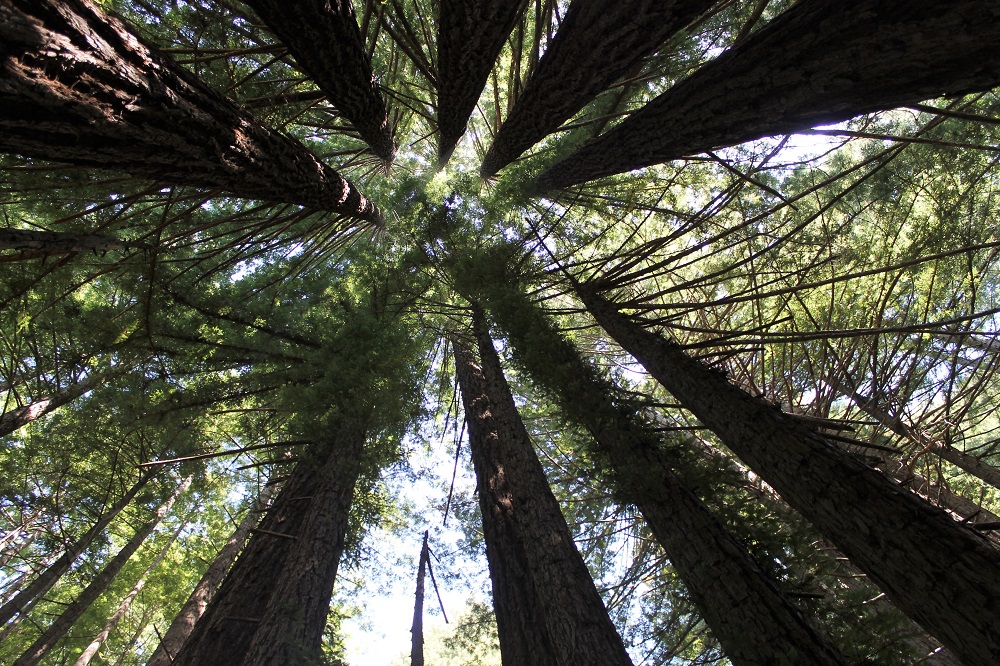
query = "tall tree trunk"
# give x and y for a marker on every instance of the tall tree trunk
(184, 623)
(936, 571)
(272, 605)
(90, 651)
(32, 243)
(417, 628)
(598, 42)
(471, 34)
(820, 62)
(325, 40)
(53, 573)
(547, 608)
(25, 414)
(78, 86)
(752, 619)
(96, 587)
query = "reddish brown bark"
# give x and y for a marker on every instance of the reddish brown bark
(598, 42)
(935, 570)
(820, 62)
(324, 38)
(470, 36)
(78, 86)
(547, 608)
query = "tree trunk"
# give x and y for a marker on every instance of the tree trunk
(25, 414)
(184, 623)
(471, 34)
(417, 628)
(78, 86)
(91, 650)
(44, 582)
(820, 62)
(31, 243)
(325, 40)
(599, 42)
(752, 619)
(101, 581)
(936, 571)
(274, 601)
(547, 608)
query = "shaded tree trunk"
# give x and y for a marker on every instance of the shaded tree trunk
(471, 34)
(90, 651)
(820, 62)
(97, 586)
(936, 571)
(752, 619)
(547, 608)
(78, 86)
(598, 42)
(184, 623)
(417, 628)
(272, 606)
(31, 243)
(53, 573)
(325, 40)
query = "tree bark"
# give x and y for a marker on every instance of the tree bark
(471, 34)
(184, 623)
(32, 243)
(936, 571)
(417, 628)
(752, 619)
(101, 581)
(272, 606)
(324, 38)
(44, 582)
(78, 86)
(25, 414)
(820, 62)
(90, 651)
(598, 42)
(547, 608)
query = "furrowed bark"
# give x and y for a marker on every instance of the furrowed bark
(324, 38)
(598, 42)
(96, 587)
(304, 522)
(78, 86)
(820, 62)
(471, 34)
(935, 570)
(32, 243)
(752, 619)
(54, 572)
(547, 608)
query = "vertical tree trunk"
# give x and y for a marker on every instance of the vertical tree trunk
(598, 42)
(91, 650)
(77, 86)
(324, 38)
(182, 626)
(101, 581)
(295, 551)
(752, 619)
(417, 628)
(838, 59)
(936, 571)
(471, 34)
(51, 575)
(547, 608)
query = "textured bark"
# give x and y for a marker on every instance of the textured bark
(33, 243)
(547, 608)
(97, 586)
(183, 624)
(598, 42)
(820, 62)
(471, 34)
(78, 86)
(283, 579)
(324, 38)
(935, 570)
(25, 414)
(53, 573)
(752, 619)
(417, 628)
